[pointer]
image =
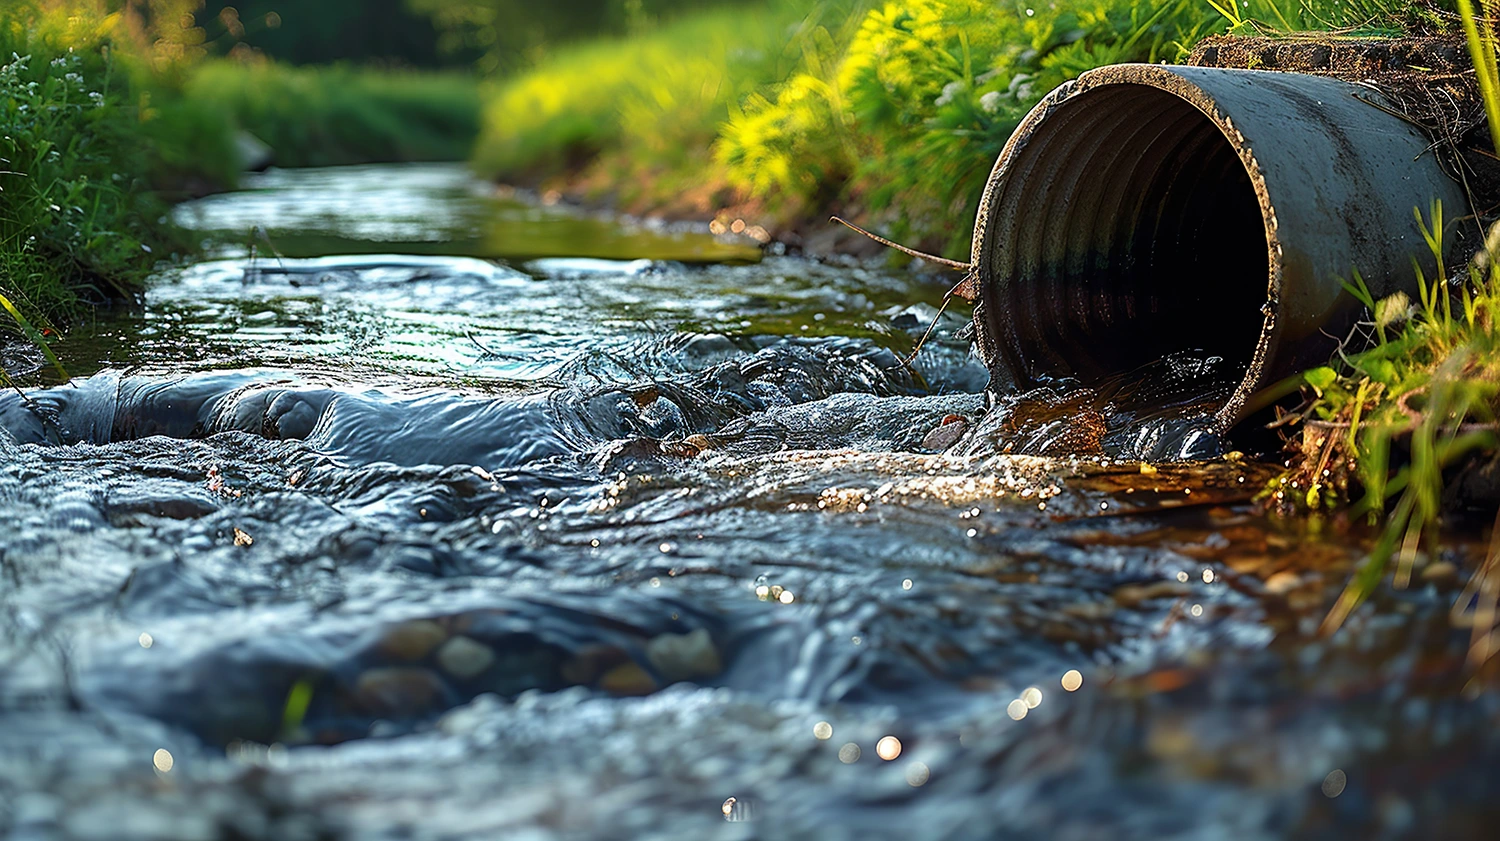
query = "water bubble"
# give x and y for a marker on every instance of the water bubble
(145, 640)
(1182, 577)
(1208, 576)
(917, 774)
(1017, 709)
(888, 748)
(1334, 783)
(1071, 680)
(737, 809)
(786, 597)
(665, 548)
(822, 731)
(1032, 697)
(849, 753)
(906, 584)
(1197, 610)
(162, 759)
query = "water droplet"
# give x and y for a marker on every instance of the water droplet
(1017, 709)
(917, 774)
(906, 584)
(1208, 576)
(1197, 610)
(1032, 697)
(823, 731)
(888, 748)
(849, 753)
(162, 759)
(1182, 577)
(786, 597)
(1071, 680)
(145, 640)
(1334, 783)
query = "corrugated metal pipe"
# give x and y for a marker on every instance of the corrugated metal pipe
(1142, 210)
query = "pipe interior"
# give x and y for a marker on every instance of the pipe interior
(1127, 230)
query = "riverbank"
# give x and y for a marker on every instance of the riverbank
(890, 114)
(95, 126)
(111, 116)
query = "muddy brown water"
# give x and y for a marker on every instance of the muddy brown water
(630, 543)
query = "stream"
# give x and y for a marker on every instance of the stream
(420, 512)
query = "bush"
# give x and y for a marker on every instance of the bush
(646, 105)
(93, 121)
(90, 123)
(326, 116)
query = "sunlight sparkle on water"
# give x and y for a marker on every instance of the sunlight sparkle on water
(888, 748)
(145, 640)
(1017, 709)
(917, 774)
(162, 759)
(822, 731)
(849, 753)
(1071, 680)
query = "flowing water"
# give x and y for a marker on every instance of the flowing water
(430, 514)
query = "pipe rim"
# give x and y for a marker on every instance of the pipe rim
(1161, 78)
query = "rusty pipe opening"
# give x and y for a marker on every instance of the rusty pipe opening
(1142, 211)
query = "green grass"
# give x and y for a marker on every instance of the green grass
(327, 116)
(1404, 414)
(1422, 402)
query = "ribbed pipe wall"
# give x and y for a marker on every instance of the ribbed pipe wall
(1131, 216)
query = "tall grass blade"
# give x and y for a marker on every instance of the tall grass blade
(35, 337)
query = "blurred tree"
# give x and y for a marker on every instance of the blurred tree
(506, 34)
(324, 31)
